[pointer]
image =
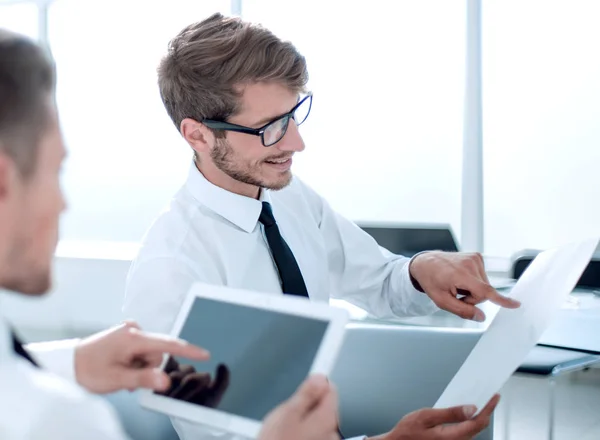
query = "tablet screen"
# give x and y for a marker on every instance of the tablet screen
(258, 357)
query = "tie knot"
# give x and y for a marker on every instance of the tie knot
(266, 215)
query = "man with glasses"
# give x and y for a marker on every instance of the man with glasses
(237, 94)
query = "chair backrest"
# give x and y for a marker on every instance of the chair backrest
(590, 278)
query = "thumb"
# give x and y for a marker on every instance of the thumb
(151, 378)
(456, 414)
(324, 415)
(309, 394)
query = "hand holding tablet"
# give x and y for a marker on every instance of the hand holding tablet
(262, 348)
(310, 414)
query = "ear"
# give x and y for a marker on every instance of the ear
(197, 135)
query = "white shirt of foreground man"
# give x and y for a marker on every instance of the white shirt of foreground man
(212, 235)
(40, 404)
(37, 404)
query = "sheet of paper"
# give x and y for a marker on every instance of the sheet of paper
(542, 289)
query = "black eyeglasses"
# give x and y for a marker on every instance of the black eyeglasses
(273, 131)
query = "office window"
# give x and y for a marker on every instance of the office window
(541, 133)
(20, 17)
(384, 138)
(126, 159)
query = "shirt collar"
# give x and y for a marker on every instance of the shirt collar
(240, 210)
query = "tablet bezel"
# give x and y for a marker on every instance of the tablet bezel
(288, 304)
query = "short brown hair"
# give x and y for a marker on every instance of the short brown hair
(207, 62)
(26, 81)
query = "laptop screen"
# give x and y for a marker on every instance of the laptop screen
(410, 241)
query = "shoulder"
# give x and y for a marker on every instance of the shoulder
(180, 232)
(169, 229)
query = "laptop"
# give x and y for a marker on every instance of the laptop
(408, 239)
(384, 372)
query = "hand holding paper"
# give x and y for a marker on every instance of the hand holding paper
(455, 423)
(542, 289)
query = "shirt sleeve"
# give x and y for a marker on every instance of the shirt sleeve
(57, 357)
(365, 274)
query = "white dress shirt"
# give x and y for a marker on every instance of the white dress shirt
(212, 235)
(37, 404)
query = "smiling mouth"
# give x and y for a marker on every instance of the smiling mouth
(282, 165)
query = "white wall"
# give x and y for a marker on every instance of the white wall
(89, 284)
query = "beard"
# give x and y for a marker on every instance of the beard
(36, 285)
(29, 268)
(224, 158)
(28, 280)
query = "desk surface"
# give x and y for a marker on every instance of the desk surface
(577, 326)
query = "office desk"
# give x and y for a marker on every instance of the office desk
(577, 326)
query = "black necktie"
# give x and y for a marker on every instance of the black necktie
(18, 348)
(292, 282)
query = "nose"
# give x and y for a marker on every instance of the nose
(291, 141)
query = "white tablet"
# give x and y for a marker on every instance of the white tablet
(262, 348)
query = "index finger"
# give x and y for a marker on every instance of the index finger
(483, 290)
(149, 343)
(433, 417)
(489, 408)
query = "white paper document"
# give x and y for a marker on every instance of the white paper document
(513, 333)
